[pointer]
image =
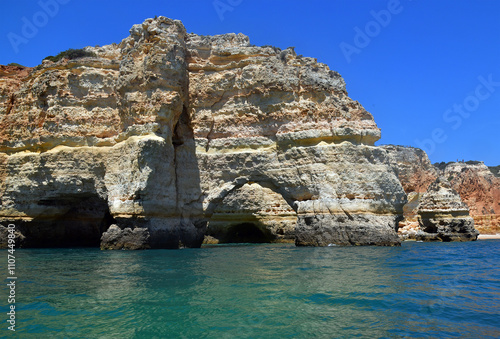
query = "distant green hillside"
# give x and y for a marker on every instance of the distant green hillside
(495, 170)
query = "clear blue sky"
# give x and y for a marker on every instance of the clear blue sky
(429, 73)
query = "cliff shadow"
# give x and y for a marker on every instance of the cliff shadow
(192, 224)
(55, 211)
(79, 221)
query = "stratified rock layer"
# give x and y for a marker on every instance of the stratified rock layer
(477, 186)
(89, 142)
(168, 132)
(413, 167)
(273, 219)
(267, 116)
(442, 216)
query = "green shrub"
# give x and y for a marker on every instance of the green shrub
(496, 171)
(15, 64)
(70, 54)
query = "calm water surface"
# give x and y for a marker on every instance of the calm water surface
(439, 290)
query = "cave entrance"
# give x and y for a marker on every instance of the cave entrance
(253, 212)
(68, 221)
(247, 232)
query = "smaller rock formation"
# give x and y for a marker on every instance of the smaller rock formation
(409, 227)
(4, 238)
(442, 216)
(480, 190)
(476, 184)
(318, 230)
(127, 239)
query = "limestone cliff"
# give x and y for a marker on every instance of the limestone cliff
(479, 188)
(476, 185)
(89, 142)
(413, 167)
(171, 136)
(266, 116)
(443, 216)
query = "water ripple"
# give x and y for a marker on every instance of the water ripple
(418, 290)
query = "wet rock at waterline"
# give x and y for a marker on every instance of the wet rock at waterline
(127, 239)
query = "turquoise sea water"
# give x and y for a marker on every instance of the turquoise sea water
(438, 290)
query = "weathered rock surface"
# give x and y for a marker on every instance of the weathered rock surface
(10, 80)
(476, 184)
(413, 167)
(96, 134)
(479, 188)
(442, 216)
(127, 239)
(267, 116)
(169, 132)
(409, 226)
(4, 237)
(267, 216)
(416, 174)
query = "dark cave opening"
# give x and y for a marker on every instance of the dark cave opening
(247, 232)
(79, 221)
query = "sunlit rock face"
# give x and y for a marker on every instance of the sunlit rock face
(479, 188)
(416, 174)
(168, 132)
(474, 182)
(413, 167)
(443, 216)
(267, 116)
(102, 128)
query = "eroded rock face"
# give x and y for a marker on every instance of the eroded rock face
(10, 80)
(409, 226)
(263, 115)
(127, 239)
(169, 131)
(442, 216)
(243, 96)
(260, 208)
(413, 167)
(479, 188)
(476, 184)
(103, 128)
(18, 237)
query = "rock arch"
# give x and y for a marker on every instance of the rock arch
(251, 212)
(76, 220)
